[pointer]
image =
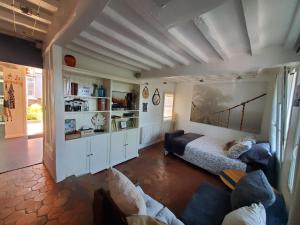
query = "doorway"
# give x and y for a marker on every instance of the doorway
(34, 113)
(21, 116)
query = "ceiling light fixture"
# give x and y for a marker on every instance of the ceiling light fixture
(239, 77)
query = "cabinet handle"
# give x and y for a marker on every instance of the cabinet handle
(90, 154)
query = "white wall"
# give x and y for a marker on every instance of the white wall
(183, 108)
(91, 64)
(151, 122)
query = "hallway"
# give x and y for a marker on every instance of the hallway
(20, 152)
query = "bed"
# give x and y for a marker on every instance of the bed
(202, 151)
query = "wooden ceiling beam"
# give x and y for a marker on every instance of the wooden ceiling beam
(100, 57)
(42, 17)
(150, 38)
(119, 50)
(48, 5)
(100, 50)
(131, 43)
(22, 21)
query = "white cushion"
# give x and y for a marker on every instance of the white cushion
(248, 215)
(125, 195)
(248, 138)
(238, 149)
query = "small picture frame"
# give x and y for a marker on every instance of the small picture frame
(70, 126)
(123, 124)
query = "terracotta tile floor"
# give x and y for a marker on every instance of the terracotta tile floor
(29, 195)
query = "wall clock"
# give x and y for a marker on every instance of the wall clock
(145, 92)
(156, 97)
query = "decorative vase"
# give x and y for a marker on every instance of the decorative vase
(70, 60)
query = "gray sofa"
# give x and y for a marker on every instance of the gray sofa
(208, 206)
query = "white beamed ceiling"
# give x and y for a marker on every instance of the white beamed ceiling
(177, 38)
(32, 26)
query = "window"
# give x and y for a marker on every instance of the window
(293, 166)
(295, 133)
(30, 81)
(168, 106)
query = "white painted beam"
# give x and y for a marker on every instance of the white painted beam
(130, 43)
(115, 16)
(49, 5)
(294, 30)
(72, 16)
(102, 58)
(42, 17)
(108, 53)
(119, 50)
(22, 21)
(265, 58)
(212, 36)
(193, 49)
(250, 10)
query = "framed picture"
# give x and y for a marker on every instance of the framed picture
(145, 107)
(70, 126)
(123, 124)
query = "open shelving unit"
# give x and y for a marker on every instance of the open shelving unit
(116, 119)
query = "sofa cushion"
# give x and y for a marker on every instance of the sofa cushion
(152, 206)
(208, 206)
(143, 220)
(238, 149)
(157, 210)
(168, 217)
(125, 195)
(247, 215)
(252, 188)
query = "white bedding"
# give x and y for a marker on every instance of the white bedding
(207, 153)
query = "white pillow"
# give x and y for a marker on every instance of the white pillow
(247, 215)
(248, 138)
(238, 149)
(125, 195)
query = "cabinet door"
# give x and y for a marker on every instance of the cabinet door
(132, 137)
(99, 152)
(76, 156)
(117, 148)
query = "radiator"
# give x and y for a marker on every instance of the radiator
(154, 132)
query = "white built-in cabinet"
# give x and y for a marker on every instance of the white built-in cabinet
(92, 154)
(87, 154)
(124, 145)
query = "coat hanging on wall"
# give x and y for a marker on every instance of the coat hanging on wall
(145, 92)
(156, 97)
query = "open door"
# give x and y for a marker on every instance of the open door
(14, 101)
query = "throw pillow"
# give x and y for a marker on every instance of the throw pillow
(229, 144)
(238, 149)
(259, 153)
(248, 138)
(125, 195)
(248, 215)
(252, 188)
(143, 220)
